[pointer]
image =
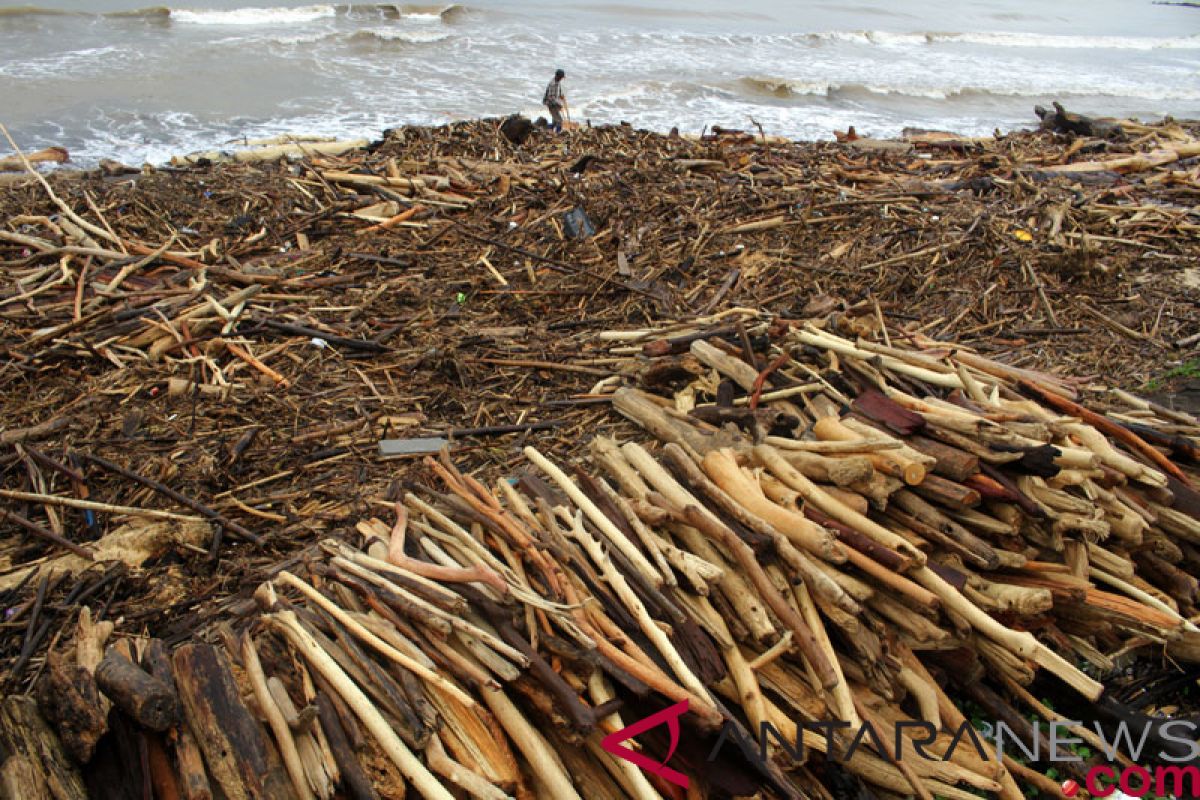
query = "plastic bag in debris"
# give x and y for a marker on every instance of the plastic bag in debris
(577, 225)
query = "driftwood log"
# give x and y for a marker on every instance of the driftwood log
(147, 700)
(39, 756)
(238, 756)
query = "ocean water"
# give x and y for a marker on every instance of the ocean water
(107, 79)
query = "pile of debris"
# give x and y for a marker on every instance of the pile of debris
(221, 372)
(884, 532)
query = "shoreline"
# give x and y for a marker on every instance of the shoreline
(800, 72)
(234, 149)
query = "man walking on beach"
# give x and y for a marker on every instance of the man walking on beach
(555, 100)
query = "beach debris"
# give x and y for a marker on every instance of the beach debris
(849, 135)
(420, 445)
(1060, 120)
(576, 224)
(272, 150)
(49, 155)
(869, 563)
(516, 129)
(110, 167)
(922, 427)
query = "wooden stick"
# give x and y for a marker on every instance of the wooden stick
(768, 457)
(189, 763)
(723, 470)
(639, 666)
(1022, 643)
(1107, 426)
(633, 779)
(946, 531)
(843, 700)
(354, 780)
(278, 725)
(25, 734)
(913, 472)
(178, 497)
(732, 584)
(129, 269)
(407, 214)
(246, 356)
(470, 782)
(893, 580)
(827, 341)
(383, 647)
(91, 505)
(7, 515)
(845, 470)
(239, 759)
(638, 407)
(648, 538)
(948, 493)
(145, 698)
(477, 573)
(597, 517)
(320, 768)
(732, 367)
(538, 754)
(95, 230)
(57, 155)
(429, 612)
(648, 625)
(40, 431)
(834, 447)
(1113, 459)
(820, 583)
(889, 753)
(1142, 596)
(820, 657)
(410, 767)
(440, 595)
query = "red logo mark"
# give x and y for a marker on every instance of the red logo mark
(1070, 788)
(669, 715)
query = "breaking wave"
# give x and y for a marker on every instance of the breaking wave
(38, 11)
(154, 12)
(446, 13)
(1003, 39)
(631, 10)
(74, 61)
(255, 15)
(1058, 41)
(783, 88)
(410, 36)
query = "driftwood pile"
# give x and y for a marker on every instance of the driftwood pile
(200, 363)
(803, 528)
